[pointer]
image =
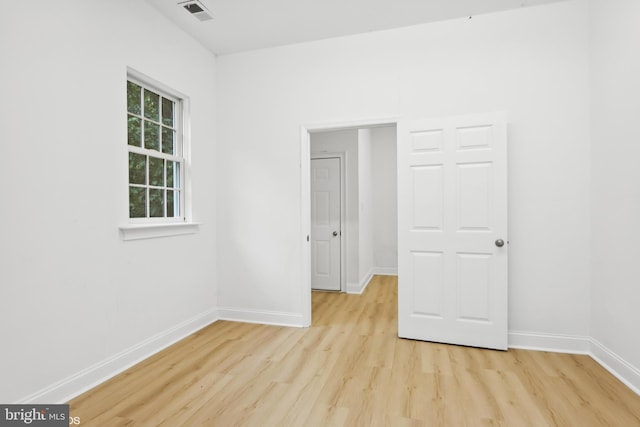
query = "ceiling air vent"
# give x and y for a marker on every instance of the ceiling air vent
(197, 9)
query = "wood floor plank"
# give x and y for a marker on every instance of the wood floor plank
(350, 369)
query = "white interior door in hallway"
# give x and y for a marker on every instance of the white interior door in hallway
(325, 224)
(452, 230)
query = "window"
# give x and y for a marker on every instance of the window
(156, 154)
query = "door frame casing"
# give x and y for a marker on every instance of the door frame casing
(305, 198)
(344, 229)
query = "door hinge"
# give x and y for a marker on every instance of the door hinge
(307, 237)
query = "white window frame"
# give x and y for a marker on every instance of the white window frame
(150, 227)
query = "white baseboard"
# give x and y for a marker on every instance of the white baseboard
(358, 288)
(276, 318)
(619, 368)
(74, 385)
(364, 282)
(549, 342)
(353, 288)
(385, 271)
(616, 365)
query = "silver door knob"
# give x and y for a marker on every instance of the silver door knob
(335, 233)
(499, 243)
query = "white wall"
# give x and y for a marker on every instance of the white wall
(345, 141)
(365, 207)
(385, 196)
(500, 61)
(74, 294)
(615, 110)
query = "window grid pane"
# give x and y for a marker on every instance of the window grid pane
(167, 112)
(133, 98)
(173, 203)
(151, 105)
(151, 135)
(137, 168)
(134, 131)
(167, 140)
(137, 202)
(156, 202)
(156, 175)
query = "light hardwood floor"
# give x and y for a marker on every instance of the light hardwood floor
(350, 369)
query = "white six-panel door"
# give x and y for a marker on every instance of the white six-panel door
(452, 230)
(325, 224)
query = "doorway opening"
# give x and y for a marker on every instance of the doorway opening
(367, 233)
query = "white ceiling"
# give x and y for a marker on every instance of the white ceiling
(240, 25)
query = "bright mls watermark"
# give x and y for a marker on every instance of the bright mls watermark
(36, 415)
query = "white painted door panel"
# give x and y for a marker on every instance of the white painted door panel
(452, 208)
(325, 224)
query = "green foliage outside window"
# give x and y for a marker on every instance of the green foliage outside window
(154, 176)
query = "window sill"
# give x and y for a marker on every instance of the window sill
(151, 231)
